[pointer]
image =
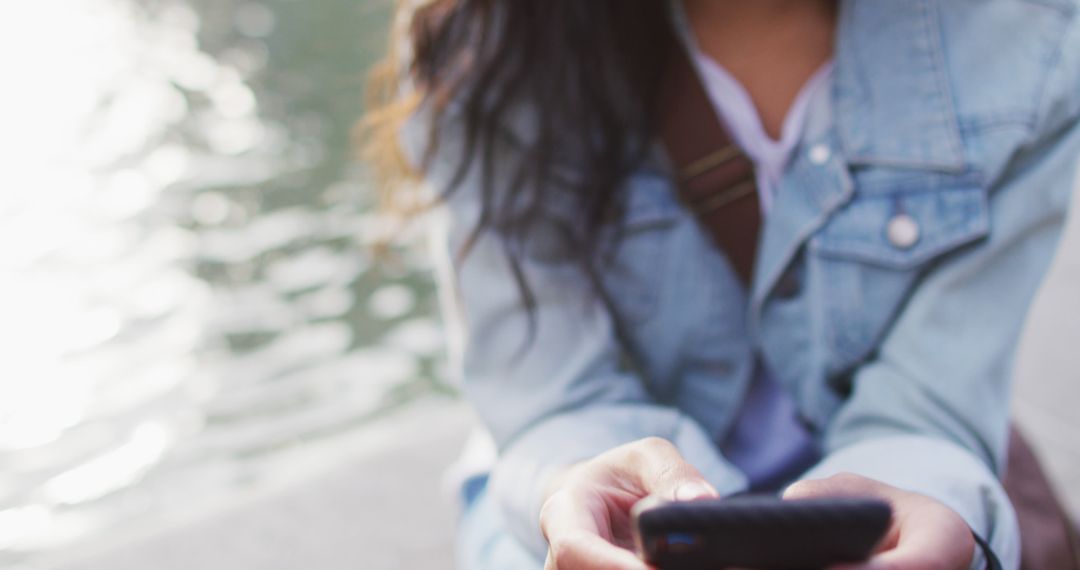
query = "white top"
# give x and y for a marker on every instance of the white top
(737, 111)
(767, 442)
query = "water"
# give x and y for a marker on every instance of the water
(186, 284)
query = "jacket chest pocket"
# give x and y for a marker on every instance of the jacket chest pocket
(904, 230)
(869, 254)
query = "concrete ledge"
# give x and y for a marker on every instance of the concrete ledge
(379, 509)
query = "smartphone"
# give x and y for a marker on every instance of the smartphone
(760, 532)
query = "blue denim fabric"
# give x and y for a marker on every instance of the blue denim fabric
(958, 115)
(482, 538)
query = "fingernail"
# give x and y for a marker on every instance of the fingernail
(694, 490)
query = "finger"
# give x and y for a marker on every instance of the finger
(579, 533)
(566, 513)
(586, 551)
(579, 520)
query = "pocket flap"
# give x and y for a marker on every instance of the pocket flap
(905, 229)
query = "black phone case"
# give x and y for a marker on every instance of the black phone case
(762, 532)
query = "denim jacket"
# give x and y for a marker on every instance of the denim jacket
(894, 273)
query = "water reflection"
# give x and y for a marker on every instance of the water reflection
(184, 272)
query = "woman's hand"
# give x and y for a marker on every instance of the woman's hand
(586, 517)
(924, 534)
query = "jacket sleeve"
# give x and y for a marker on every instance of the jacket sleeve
(936, 421)
(557, 396)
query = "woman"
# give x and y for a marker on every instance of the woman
(912, 163)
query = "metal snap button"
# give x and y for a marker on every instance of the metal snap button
(903, 231)
(820, 154)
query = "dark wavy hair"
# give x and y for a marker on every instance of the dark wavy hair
(590, 73)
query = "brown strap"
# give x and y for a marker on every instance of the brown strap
(716, 179)
(1047, 536)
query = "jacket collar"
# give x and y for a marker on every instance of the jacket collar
(891, 105)
(892, 99)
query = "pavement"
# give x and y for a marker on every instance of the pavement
(380, 508)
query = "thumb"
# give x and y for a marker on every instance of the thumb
(693, 489)
(664, 473)
(840, 485)
(810, 489)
